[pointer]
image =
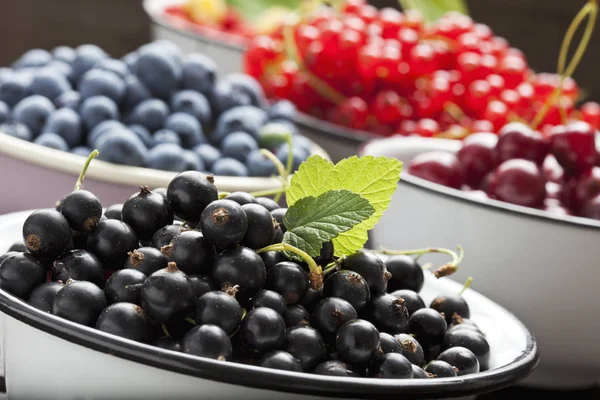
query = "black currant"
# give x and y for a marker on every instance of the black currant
(280, 359)
(240, 266)
(306, 344)
(391, 366)
(79, 240)
(127, 320)
(9, 253)
(192, 252)
(406, 273)
(168, 294)
(440, 369)
(80, 302)
(330, 314)
(20, 274)
(428, 326)
(326, 254)
(411, 349)
(370, 267)
(208, 341)
(82, 209)
(311, 299)
(432, 352)
(125, 286)
(79, 265)
(114, 211)
(389, 344)
(462, 358)
(267, 203)
(178, 327)
(111, 242)
(42, 296)
(189, 193)
(295, 314)
(261, 226)
(263, 330)
(472, 340)
(278, 214)
(278, 237)
(241, 198)
(271, 299)
(451, 305)
(389, 314)
(412, 300)
(47, 234)
(357, 342)
(272, 258)
(288, 279)
(165, 235)
(146, 260)
(146, 212)
(161, 190)
(18, 247)
(419, 373)
(219, 308)
(335, 368)
(348, 285)
(224, 223)
(202, 284)
(168, 343)
(462, 323)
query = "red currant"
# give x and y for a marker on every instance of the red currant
(481, 125)
(468, 64)
(368, 13)
(414, 20)
(261, 51)
(482, 31)
(499, 46)
(513, 69)
(496, 112)
(468, 41)
(422, 58)
(590, 113)
(407, 127)
(387, 107)
(352, 112)
(427, 127)
(477, 96)
(353, 6)
(390, 20)
(408, 39)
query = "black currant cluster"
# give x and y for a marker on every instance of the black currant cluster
(187, 269)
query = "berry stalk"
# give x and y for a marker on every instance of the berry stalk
(444, 270)
(79, 183)
(467, 285)
(315, 274)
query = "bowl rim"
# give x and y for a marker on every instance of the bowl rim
(391, 144)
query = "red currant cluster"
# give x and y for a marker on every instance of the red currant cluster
(559, 173)
(388, 72)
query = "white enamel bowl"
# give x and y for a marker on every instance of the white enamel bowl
(541, 266)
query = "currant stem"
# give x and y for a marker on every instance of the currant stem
(164, 329)
(222, 195)
(190, 320)
(268, 192)
(467, 285)
(444, 270)
(79, 183)
(316, 273)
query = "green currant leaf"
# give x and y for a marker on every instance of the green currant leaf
(311, 179)
(252, 9)
(434, 9)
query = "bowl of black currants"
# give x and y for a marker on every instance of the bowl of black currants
(192, 291)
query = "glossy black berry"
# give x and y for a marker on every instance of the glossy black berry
(272, 258)
(280, 359)
(411, 349)
(189, 193)
(208, 341)
(306, 344)
(462, 358)
(472, 340)
(326, 254)
(432, 352)
(270, 299)
(79, 265)
(146, 212)
(261, 226)
(219, 308)
(412, 300)
(146, 260)
(335, 368)
(389, 314)
(391, 366)
(192, 252)
(168, 294)
(357, 342)
(79, 240)
(330, 314)
(114, 211)
(388, 344)
(371, 268)
(20, 274)
(288, 279)
(80, 302)
(440, 369)
(47, 234)
(267, 203)
(406, 273)
(127, 320)
(451, 305)
(295, 314)
(263, 330)
(125, 286)
(168, 343)
(240, 266)
(241, 198)
(462, 323)
(178, 327)
(311, 299)
(111, 242)
(202, 284)
(82, 209)
(350, 286)
(278, 214)
(9, 253)
(18, 247)
(428, 326)
(278, 237)
(224, 223)
(165, 235)
(42, 296)
(419, 373)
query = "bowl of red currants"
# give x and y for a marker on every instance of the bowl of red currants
(526, 204)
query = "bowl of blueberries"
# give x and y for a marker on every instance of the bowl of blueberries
(527, 207)
(150, 114)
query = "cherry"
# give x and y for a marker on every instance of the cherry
(580, 190)
(591, 209)
(590, 113)
(518, 181)
(517, 140)
(481, 125)
(440, 167)
(478, 156)
(574, 147)
(553, 171)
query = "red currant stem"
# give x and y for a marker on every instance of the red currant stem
(467, 285)
(164, 329)
(444, 270)
(190, 320)
(454, 110)
(79, 183)
(316, 273)
(563, 113)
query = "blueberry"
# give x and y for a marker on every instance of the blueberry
(163, 136)
(49, 83)
(96, 109)
(282, 109)
(150, 113)
(302, 143)
(60, 68)
(298, 156)
(236, 90)
(208, 153)
(121, 146)
(33, 58)
(142, 133)
(70, 99)
(199, 73)
(113, 65)
(166, 157)
(259, 165)
(245, 118)
(193, 161)
(14, 88)
(52, 140)
(130, 59)
(159, 72)
(170, 49)
(187, 128)
(135, 92)
(102, 128)
(4, 112)
(193, 103)
(64, 53)
(17, 130)
(99, 82)
(5, 72)
(33, 111)
(229, 167)
(87, 56)
(238, 145)
(66, 123)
